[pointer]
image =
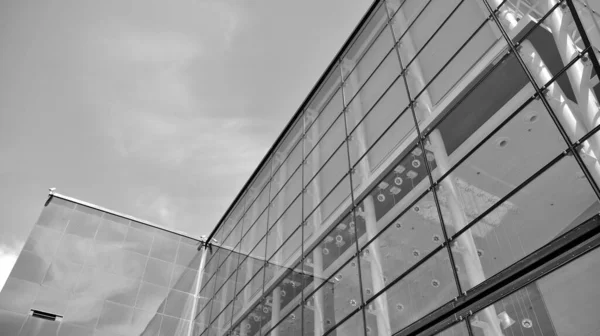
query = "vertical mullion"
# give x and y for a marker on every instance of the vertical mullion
(433, 185)
(353, 206)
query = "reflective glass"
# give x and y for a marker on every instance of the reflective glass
(84, 222)
(327, 120)
(397, 189)
(56, 214)
(460, 27)
(369, 48)
(327, 146)
(286, 225)
(337, 297)
(563, 302)
(426, 288)
(288, 325)
(459, 329)
(556, 201)
(410, 238)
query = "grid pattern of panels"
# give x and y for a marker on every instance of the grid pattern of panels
(105, 275)
(448, 141)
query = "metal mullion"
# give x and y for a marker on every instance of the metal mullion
(434, 33)
(432, 185)
(512, 193)
(348, 173)
(325, 163)
(560, 127)
(501, 125)
(214, 273)
(584, 37)
(303, 163)
(318, 141)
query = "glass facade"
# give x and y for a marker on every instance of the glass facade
(447, 142)
(441, 179)
(84, 271)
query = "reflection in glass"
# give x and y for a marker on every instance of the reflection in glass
(556, 201)
(565, 302)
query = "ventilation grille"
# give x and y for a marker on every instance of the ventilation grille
(45, 315)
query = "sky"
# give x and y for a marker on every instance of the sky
(157, 109)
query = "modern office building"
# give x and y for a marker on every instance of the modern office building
(440, 179)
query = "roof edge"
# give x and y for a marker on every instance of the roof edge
(52, 193)
(290, 124)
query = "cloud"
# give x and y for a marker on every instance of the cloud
(8, 257)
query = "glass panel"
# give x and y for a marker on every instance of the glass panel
(286, 249)
(18, 295)
(565, 302)
(369, 94)
(423, 290)
(115, 318)
(253, 323)
(256, 234)
(354, 326)
(456, 31)
(326, 179)
(323, 124)
(283, 299)
(84, 222)
(56, 214)
(556, 201)
(112, 230)
(138, 241)
(42, 241)
(336, 298)
(369, 48)
(284, 228)
(38, 327)
(368, 126)
(290, 152)
(542, 57)
(164, 247)
(456, 330)
(286, 195)
(329, 205)
(404, 243)
(327, 102)
(397, 189)
(324, 149)
(289, 325)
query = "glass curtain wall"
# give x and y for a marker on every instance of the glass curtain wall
(449, 140)
(96, 273)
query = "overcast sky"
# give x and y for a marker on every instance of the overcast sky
(157, 109)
